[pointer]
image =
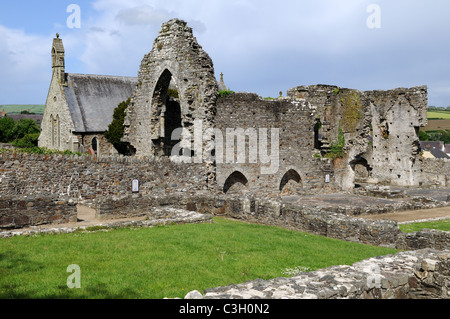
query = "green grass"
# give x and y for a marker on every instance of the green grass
(442, 225)
(167, 261)
(16, 109)
(442, 115)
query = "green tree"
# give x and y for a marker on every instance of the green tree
(7, 125)
(24, 127)
(115, 131)
(28, 141)
(423, 136)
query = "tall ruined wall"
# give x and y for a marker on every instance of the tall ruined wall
(380, 129)
(176, 60)
(293, 154)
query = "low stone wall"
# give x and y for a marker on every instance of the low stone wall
(422, 274)
(435, 172)
(24, 211)
(157, 218)
(307, 218)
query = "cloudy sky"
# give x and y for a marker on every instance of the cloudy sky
(261, 46)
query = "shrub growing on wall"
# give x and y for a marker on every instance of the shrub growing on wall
(115, 131)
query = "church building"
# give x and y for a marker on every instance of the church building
(79, 107)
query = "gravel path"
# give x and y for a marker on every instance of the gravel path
(414, 215)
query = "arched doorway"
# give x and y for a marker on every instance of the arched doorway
(236, 183)
(362, 170)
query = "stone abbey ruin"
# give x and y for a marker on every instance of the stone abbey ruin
(315, 160)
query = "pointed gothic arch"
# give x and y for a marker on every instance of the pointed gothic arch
(291, 177)
(236, 178)
(165, 114)
(175, 55)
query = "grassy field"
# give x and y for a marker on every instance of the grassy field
(441, 115)
(17, 109)
(443, 225)
(165, 261)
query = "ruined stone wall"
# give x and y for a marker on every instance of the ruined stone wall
(380, 129)
(435, 172)
(422, 274)
(306, 218)
(24, 211)
(88, 177)
(176, 60)
(294, 121)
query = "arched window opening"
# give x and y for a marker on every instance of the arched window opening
(235, 183)
(58, 132)
(291, 182)
(52, 121)
(94, 145)
(166, 114)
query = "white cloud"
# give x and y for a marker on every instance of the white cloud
(144, 15)
(24, 63)
(262, 46)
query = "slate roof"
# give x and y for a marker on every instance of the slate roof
(93, 98)
(438, 153)
(425, 146)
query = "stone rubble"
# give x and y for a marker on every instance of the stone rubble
(158, 217)
(406, 275)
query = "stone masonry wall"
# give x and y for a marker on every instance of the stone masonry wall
(24, 211)
(85, 177)
(176, 56)
(422, 274)
(380, 128)
(307, 218)
(435, 172)
(295, 122)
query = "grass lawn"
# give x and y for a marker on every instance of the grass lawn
(442, 225)
(167, 261)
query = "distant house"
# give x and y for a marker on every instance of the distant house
(434, 149)
(35, 117)
(79, 107)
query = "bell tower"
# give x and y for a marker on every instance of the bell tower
(58, 60)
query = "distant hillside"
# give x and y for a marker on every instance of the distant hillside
(17, 109)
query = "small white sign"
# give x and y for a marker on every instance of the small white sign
(135, 186)
(327, 178)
